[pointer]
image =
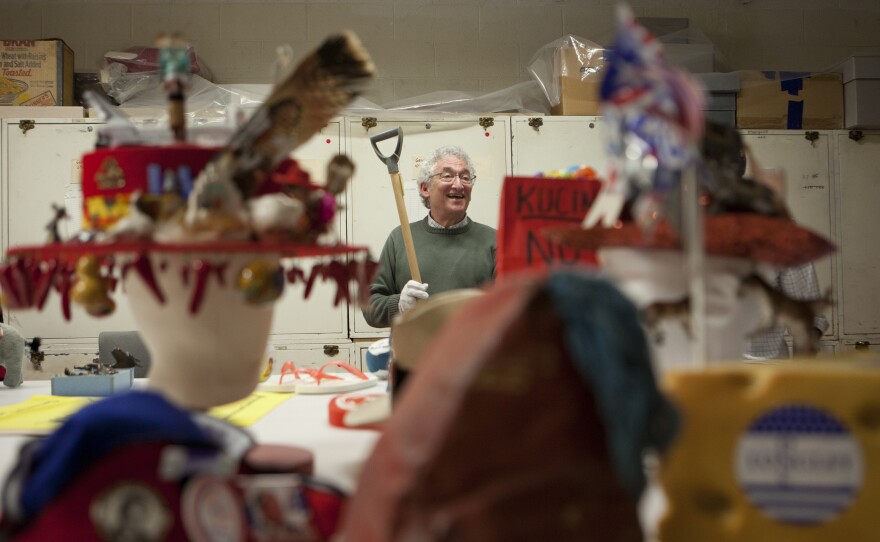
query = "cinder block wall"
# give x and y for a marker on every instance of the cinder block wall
(426, 45)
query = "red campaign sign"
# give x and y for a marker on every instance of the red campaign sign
(530, 204)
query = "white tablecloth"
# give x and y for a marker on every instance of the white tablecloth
(300, 421)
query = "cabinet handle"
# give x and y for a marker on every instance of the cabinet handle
(862, 345)
(856, 135)
(25, 125)
(331, 350)
(811, 136)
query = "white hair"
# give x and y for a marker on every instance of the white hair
(426, 170)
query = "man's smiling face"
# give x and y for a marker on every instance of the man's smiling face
(448, 201)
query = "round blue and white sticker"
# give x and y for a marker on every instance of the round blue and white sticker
(798, 464)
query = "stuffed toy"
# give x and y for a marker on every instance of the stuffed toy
(11, 356)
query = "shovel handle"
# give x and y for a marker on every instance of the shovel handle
(408, 244)
(390, 161)
(397, 186)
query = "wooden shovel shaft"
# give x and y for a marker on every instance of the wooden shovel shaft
(397, 185)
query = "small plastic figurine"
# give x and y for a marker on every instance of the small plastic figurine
(52, 227)
(36, 355)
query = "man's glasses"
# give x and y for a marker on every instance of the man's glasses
(448, 177)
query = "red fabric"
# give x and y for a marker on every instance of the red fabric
(531, 204)
(769, 239)
(68, 517)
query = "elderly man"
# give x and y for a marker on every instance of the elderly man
(453, 251)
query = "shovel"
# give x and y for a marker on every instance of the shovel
(397, 185)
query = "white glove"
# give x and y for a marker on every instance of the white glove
(412, 291)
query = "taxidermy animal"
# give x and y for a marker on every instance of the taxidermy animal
(654, 313)
(11, 355)
(724, 158)
(795, 314)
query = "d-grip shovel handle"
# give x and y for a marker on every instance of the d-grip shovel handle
(397, 186)
(390, 161)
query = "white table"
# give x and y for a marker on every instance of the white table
(300, 421)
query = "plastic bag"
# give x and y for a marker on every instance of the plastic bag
(570, 57)
(130, 72)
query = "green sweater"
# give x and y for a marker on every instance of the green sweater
(449, 259)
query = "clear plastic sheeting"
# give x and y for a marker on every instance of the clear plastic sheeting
(133, 71)
(567, 57)
(526, 97)
(206, 103)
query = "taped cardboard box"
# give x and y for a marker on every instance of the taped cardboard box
(580, 76)
(789, 100)
(36, 72)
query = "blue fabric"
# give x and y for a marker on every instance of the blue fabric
(98, 429)
(606, 340)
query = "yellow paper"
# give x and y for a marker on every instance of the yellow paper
(250, 409)
(43, 414)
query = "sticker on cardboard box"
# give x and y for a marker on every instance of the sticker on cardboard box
(44, 98)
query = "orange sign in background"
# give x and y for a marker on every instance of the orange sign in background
(530, 204)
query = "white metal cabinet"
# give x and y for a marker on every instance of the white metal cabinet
(809, 190)
(297, 319)
(312, 355)
(41, 167)
(858, 163)
(541, 144)
(372, 213)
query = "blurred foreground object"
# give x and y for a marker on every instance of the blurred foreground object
(542, 401)
(786, 451)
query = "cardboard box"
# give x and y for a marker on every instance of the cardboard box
(580, 72)
(693, 57)
(36, 72)
(788, 100)
(721, 90)
(861, 92)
